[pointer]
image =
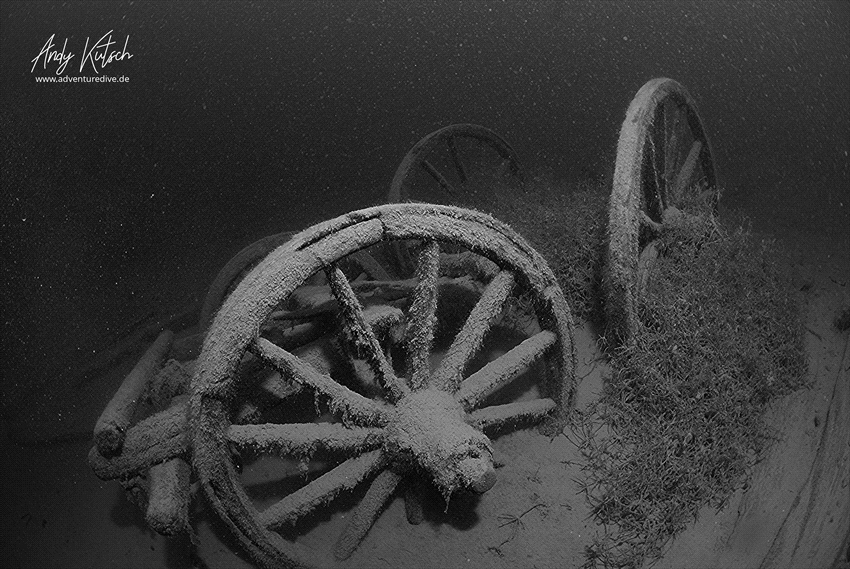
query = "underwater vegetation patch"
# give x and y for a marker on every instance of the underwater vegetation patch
(720, 337)
(566, 224)
(679, 424)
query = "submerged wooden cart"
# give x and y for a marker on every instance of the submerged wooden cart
(313, 317)
(357, 349)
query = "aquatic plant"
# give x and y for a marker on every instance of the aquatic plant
(565, 222)
(719, 337)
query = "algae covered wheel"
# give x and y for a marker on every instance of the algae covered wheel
(447, 159)
(432, 395)
(664, 167)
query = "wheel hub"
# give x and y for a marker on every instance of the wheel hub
(429, 429)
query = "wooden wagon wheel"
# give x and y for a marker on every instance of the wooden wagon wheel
(664, 159)
(444, 141)
(425, 422)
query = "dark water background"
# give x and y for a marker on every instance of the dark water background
(243, 119)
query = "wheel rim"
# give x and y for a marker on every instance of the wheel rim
(378, 432)
(452, 171)
(664, 159)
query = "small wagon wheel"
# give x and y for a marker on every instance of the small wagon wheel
(426, 422)
(664, 159)
(442, 145)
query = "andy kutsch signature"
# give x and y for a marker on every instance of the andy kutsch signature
(98, 56)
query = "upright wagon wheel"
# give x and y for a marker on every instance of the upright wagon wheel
(429, 418)
(441, 158)
(664, 160)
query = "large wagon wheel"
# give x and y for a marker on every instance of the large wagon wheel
(439, 157)
(664, 160)
(425, 422)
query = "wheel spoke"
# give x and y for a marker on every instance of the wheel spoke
(428, 167)
(363, 336)
(647, 222)
(672, 118)
(303, 439)
(461, 171)
(353, 406)
(467, 263)
(317, 301)
(423, 315)
(502, 370)
(373, 268)
(656, 140)
(266, 395)
(384, 320)
(301, 334)
(313, 302)
(685, 175)
(322, 490)
(385, 290)
(646, 260)
(512, 414)
(294, 337)
(468, 341)
(413, 499)
(366, 512)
